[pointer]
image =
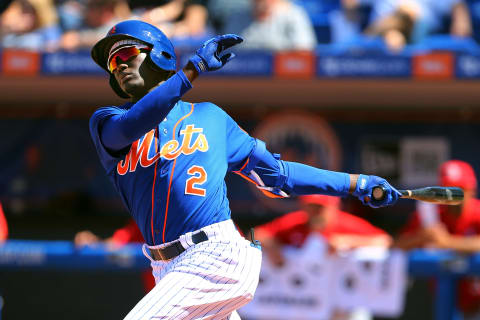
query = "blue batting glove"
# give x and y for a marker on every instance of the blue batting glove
(365, 185)
(209, 58)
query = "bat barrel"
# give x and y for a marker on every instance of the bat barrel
(440, 195)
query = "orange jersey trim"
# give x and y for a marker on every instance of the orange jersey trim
(171, 174)
(153, 186)
(265, 192)
(271, 194)
(243, 167)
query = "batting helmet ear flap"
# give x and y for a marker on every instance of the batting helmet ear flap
(116, 87)
(152, 65)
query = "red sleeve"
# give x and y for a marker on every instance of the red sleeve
(281, 228)
(3, 225)
(350, 224)
(129, 233)
(475, 215)
(284, 223)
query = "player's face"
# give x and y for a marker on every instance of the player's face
(134, 76)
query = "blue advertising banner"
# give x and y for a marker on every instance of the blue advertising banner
(363, 66)
(246, 63)
(69, 63)
(467, 66)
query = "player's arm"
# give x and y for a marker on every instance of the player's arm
(439, 237)
(461, 25)
(461, 243)
(411, 236)
(280, 178)
(120, 130)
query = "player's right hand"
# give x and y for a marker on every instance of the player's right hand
(364, 188)
(209, 57)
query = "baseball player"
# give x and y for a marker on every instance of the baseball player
(168, 159)
(457, 228)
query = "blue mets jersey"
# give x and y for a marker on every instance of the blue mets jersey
(172, 178)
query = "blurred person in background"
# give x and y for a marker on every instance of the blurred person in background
(400, 22)
(348, 22)
(30, 24)
(457, 228)
(222, 12)
(176, 18)
(70, 14)
(394, 21)
(129, 233)
(320, 214)
(99, 17)
(274, 25)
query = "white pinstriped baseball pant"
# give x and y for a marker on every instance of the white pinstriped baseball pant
(208, 281)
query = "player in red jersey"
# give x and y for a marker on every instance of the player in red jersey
(457, 228)
(319, 214)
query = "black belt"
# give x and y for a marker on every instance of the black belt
(175, 248)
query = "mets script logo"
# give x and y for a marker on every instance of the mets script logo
(139, 151)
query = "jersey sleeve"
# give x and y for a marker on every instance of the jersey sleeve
(239, 145)
(280, 179)
(249, 158)
(283, 224)
(141, 117)
(108, 159)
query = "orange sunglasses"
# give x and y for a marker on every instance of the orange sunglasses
(124, 54)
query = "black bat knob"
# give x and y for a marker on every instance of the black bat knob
(378, 193)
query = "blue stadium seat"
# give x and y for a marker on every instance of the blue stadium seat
(445, 42)
(359, 45)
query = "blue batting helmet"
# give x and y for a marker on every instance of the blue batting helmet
(162, 54)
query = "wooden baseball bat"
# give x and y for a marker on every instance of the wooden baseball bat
(439, 195)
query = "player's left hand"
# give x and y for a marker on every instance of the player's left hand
(209, 57)
(365, 185)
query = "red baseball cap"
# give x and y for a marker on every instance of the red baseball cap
(320, 199)
(456, 173)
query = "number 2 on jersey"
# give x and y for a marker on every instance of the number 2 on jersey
(199, 177)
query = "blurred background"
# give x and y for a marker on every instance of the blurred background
(384, 87)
